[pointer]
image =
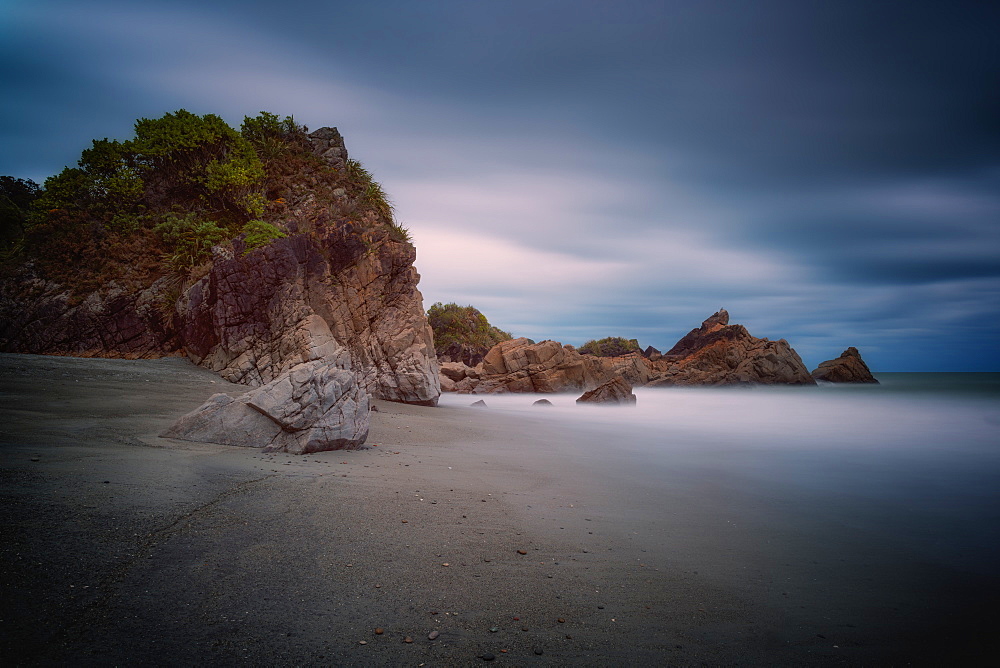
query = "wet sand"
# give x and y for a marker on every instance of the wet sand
(120, 547)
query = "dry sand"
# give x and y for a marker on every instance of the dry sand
(122, 548)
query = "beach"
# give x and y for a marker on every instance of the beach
(514, 536)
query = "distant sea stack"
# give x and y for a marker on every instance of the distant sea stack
(295, 259)
(718, 353)
(848, 368)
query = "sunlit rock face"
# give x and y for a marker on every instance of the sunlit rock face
(519, 365)
(718, 353)
(848, 368)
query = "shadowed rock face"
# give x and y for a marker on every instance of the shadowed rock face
(848, 368)
(253, 318)
(303, 298)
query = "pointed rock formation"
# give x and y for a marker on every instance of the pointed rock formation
(718, 353)
(316, 406)
(615, 391)
(848, 368)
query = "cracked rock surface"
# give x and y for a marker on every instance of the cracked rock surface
(314, 407)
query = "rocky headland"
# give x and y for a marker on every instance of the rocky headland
(271, 257)
(328, 300)
(716, 353)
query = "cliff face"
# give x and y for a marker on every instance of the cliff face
(304, 298)
(336, 284)
(253, 318)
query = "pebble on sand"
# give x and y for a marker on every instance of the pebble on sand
(407, 639)
(522, 552)
(379, 631)
(433, 635)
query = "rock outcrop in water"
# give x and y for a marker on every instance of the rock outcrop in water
(848, 368)
(718, 353)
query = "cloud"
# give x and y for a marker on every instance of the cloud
(829, 175)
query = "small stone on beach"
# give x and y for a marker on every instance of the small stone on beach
(522, 552)
(379, 631)
(407, 639)
(433, 635)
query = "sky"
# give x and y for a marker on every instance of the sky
(828, 172)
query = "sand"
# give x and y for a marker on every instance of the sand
(123, 548)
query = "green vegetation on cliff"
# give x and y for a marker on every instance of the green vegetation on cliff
(611, 346)
(16, 198)
(157, 203)
(462, 333)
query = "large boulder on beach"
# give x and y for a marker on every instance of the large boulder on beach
(848, 368)
(521, 365)
(316, 406)
(718, 353)
(615, 391)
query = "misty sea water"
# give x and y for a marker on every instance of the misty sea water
(874, 509)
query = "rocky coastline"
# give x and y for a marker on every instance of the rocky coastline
(325, 315)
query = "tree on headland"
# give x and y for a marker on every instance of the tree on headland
(159, 201)
(16, 197)
(611, 346)
(462, 333)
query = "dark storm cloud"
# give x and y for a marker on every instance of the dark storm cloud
(829, 172)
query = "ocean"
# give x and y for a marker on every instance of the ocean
(873, 509)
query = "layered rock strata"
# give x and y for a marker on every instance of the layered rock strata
(848, 368)
(520, 365)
